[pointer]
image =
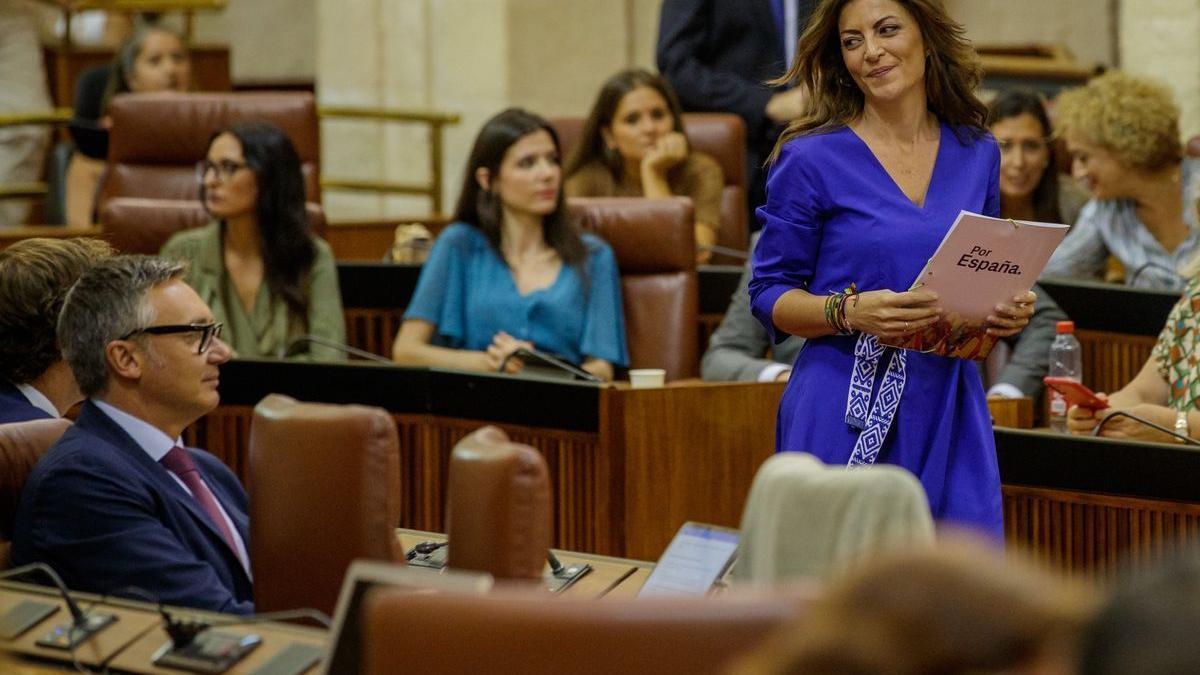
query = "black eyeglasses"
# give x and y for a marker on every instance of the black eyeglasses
(207, 332)
(224, 168)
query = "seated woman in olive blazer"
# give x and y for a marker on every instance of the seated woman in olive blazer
(258, 265)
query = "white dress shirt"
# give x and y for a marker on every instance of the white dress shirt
(37, 399)
(156, 444)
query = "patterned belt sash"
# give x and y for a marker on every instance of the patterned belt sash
(873, 419)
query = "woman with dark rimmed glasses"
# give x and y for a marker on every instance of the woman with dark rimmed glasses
(268, 279)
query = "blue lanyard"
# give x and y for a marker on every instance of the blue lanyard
(873, 418)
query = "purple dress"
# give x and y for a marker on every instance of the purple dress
(834, 216)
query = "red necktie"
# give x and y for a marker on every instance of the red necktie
(180, 463)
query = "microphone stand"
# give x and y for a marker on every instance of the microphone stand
(1187, 440)
(83, 625)
(297, 345)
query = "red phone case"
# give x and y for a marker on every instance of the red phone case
(1075, 393)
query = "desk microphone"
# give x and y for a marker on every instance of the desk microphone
(725, 250)
(297, 347)
(83, 625)
(1121, 413)
(1150, 265)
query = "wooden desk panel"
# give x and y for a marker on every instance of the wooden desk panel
(1095, 535)
(1112, 360)
(11, 235)
(139, 657)
(629, 466)
(95, 652)
(608, 573)
(129, 643)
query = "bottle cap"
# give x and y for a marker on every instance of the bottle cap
(1064, 327)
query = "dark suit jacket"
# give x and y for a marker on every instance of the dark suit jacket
(104, 515)
(14, 407)
(737, 349)
(1030, 358)
(717, 54)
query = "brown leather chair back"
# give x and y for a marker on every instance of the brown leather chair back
(324, 488)
(654, 241)
(527, 635)
(1192, 149)
(721, 135)
(139, 225)
(498, 507)
(22, 444)
(157, 139)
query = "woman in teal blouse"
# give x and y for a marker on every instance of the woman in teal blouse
(512, 271)
(258, 265)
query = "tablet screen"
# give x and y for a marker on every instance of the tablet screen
(694, 561)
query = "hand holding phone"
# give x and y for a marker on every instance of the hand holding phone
(1075, 393)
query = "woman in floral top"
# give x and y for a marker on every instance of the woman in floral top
(1167, 389)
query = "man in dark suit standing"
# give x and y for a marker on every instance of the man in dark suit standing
(718, 54)
(35, 274)
(119, 501)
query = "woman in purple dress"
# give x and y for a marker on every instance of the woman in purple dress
(862, 189)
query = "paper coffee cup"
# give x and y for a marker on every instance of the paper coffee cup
(643, 378)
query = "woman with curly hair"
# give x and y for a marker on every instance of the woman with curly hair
(864, 187)
(1123, 135)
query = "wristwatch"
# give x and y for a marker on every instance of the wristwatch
(1181, 425)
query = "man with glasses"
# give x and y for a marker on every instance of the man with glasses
(118, 502)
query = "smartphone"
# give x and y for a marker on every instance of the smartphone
(1075, 393)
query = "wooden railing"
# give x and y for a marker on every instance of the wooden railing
(56, 117)
(435, 120)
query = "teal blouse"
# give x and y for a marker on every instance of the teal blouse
(467, 292)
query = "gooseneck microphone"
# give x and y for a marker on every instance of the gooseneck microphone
(725, 250)
(1121, 413)
(83, 624)
(298, 346)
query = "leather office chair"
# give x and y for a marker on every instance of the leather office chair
(157, 139)
(653, 240)
(140, 225)
(721, 135)
(526, 635)
(324, 486)
(806, 520)
(498, 507)
(22, 444)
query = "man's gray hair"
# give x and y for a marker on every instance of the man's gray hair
(105, 304)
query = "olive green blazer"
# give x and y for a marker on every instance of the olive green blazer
(267, 329)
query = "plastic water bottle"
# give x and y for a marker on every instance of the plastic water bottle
(1065, 361)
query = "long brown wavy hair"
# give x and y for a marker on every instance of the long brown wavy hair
(591, 139)
(952, 73)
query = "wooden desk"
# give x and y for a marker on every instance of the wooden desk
(11, 235)
(609, 575)
(628, 467)
(131, 624)
(1086, 505)
(129, 644)
(622, 461)
(139, 656)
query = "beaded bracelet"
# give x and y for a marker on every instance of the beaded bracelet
(831, 309)
(835, 309)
